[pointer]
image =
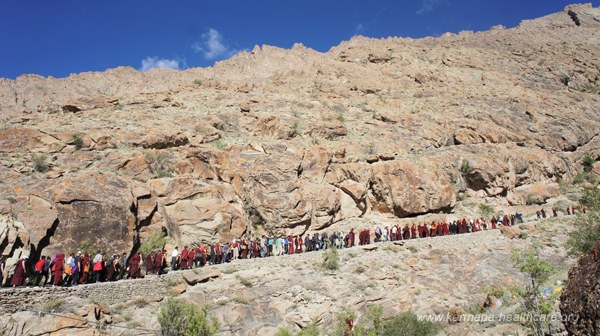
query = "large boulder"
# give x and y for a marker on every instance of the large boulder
(404, 189)
(93, 209)
(580, 301)
(195, 276)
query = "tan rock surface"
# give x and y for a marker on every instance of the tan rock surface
(374, 126)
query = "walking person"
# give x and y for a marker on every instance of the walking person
(174, 257)
(19, 278)
(39, 270)
(2, 270)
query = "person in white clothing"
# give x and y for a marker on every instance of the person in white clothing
(174, 258)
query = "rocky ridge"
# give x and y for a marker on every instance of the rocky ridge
(291, 141)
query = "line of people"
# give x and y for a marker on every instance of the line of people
(81, 268)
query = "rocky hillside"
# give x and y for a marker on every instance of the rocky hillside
(289, 141)
(465, 275)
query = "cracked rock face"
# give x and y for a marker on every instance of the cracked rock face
(395, 126)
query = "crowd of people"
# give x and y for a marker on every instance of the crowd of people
(81, 268)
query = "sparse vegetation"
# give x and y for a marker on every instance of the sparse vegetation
(173, 282)
(486, 211)
(370, 150)
(341, 118)
(52, 305)
(283, 332)
(181, 318)
(153, 241)
(160, 165)
(579, 178)
(245, 281)
(295, 129)
(587, 162)
(140, 301)
(39, 163)
(127, 316)
(197, 82)
(533, 302)
(220, 144)
(372, 324)
(412, 249)
(531, 199)
(465, 166)
(587, 231)
(359, 269)
(331, 259)
(77, 141)
(241, 300)
(229, 270)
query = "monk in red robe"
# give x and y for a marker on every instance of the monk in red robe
(462, 226)
(446, 229)
(19, 277)
(290, 245)
(439, 230)
(413, 231)
(134, 266)
(85, 268)
(191, 256)
(58, 269)
(184, 258)
(351, 238)
(159, 262)
(111, 268)
(204, 253)
(149, 263)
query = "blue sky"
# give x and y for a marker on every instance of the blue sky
(59, 37)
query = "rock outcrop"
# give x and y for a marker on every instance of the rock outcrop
(580, 301)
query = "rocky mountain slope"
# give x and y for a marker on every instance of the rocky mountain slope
(288, 141)
(466, 275)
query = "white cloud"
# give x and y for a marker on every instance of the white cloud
(213, 46)
(428, 6)
(159, 63)
(360, 28)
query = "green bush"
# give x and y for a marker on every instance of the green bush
(283, 332)
(486, 211)
(309, 330)
(331, 259)
(371, 324)
(52, 305)
(587, 162)
(39, 163)
(153, 241)
(408, 324)
(537, 272)
(587, 227)
(465, 166)
(579, 178)
(181, 318)
(77, 141)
